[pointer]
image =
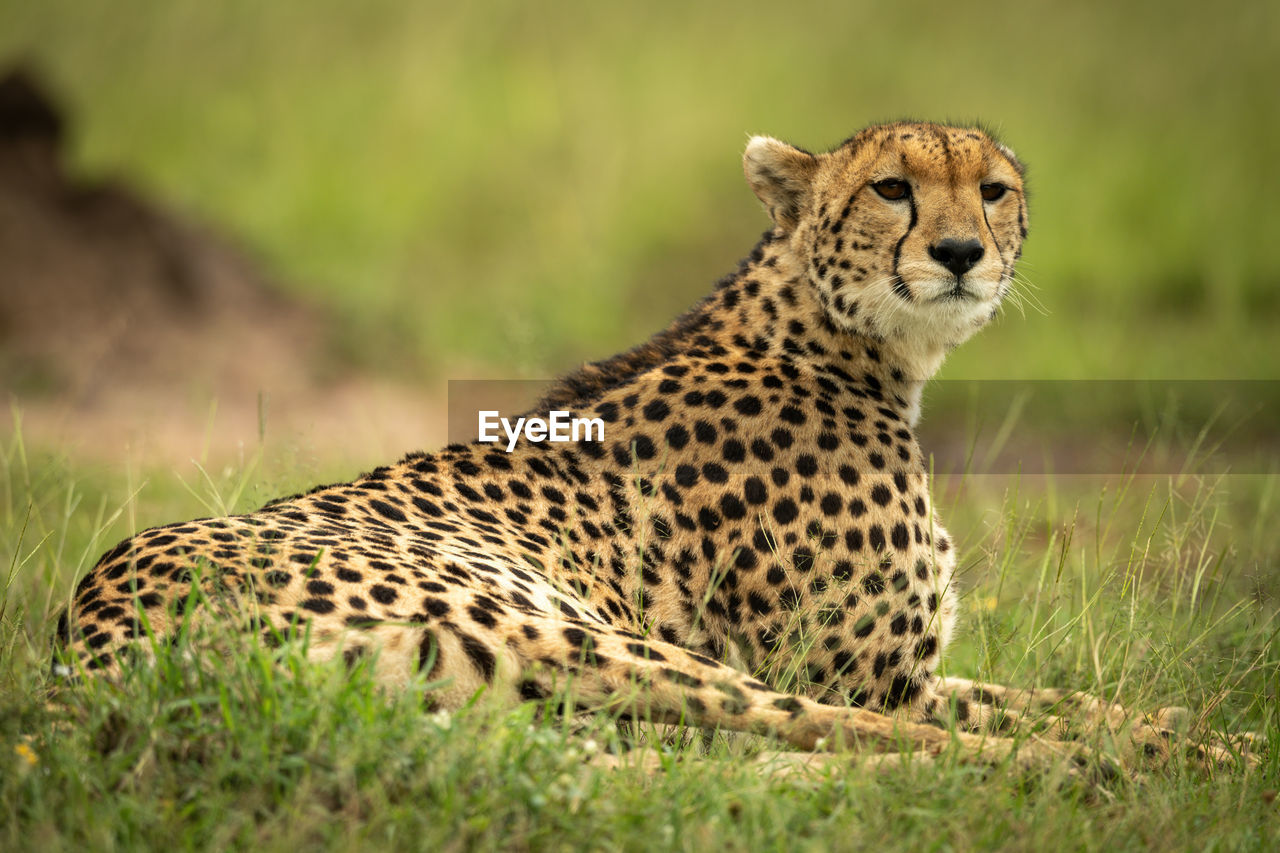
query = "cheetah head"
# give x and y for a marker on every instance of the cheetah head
(908, 232)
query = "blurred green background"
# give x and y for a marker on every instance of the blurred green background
(503, 188)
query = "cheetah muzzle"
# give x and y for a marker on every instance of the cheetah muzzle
(759, 497)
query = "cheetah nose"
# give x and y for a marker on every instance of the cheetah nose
(959, 256)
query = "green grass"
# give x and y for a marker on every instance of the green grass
(1150, 590)
(504, 188)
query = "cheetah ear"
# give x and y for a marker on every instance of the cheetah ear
(1013, 158)
(780, 175)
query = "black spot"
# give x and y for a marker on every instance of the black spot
(732, 508)
(382, 594)
(481, 657)
(785, 511)
(482, 616)
(531, 691)
(386, 510)
(792, 415)
(97, 641)
(686, 475)
(427, 507)
(656, 410)
(682, 678)
(764, 540)
(902, 689)
(641, 650)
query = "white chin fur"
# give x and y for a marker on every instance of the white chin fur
(937, 304)
(932, 324)
(935, 289)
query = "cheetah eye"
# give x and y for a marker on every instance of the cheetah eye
(892, 189)
(993, 192)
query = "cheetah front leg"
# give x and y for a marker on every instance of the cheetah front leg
(778, 764)
(660, 682)
(1071, 714)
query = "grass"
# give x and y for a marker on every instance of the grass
(1152, 590)
(502, 189)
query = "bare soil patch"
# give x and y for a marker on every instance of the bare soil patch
(128, 330)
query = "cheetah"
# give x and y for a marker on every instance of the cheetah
(752, 546)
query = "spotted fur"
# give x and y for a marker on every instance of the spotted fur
(754, 544)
